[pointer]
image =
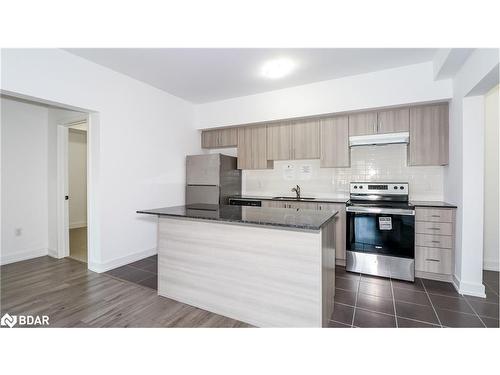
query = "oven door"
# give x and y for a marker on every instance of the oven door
(382, 231)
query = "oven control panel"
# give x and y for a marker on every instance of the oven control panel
(381, 188)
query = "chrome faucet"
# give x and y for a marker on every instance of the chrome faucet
(297, 191)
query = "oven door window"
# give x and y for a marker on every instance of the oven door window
(381, 233)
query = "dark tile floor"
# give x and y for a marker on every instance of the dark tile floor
(366, 301)
(143, 272)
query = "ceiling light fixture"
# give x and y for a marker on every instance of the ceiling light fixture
(277, 68)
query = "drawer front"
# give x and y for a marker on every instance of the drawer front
(434, 215)
(429, 227)
(301, 205)
(273, 204)
(429, 240)
(428, 259)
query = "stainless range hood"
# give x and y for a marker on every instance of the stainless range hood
(379, 139)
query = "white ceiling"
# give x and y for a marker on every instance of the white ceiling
(205, 75)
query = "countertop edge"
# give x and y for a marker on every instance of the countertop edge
(315, 200)
(436, 204)
(249, 223)
(433, 204)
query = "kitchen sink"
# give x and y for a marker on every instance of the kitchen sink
(294, 198)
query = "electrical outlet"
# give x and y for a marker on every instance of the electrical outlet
(18, 232)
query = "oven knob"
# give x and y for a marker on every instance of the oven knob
(401, 187)
(395, 187)
(355, 186)
(361, 187)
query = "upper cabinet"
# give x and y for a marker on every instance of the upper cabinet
(305, 139)
(393, 121)
(335, 142)
(364, 123)
(219, 138)
(252, 150)
(293, 140)
(428, 135)
(279, 141)
(327, 138)
(381, 122)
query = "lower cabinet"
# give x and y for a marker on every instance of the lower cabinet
(433, 260)
(340, 229)
(273, 204)
(434, 243)
(340, 221)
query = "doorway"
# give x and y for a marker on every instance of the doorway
(77, 191)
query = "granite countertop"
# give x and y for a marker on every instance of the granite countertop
(436, 204)
(298, 219)
(292, 199)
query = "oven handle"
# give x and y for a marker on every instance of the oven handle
(378, 210)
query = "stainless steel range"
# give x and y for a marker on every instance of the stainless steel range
(380, 230)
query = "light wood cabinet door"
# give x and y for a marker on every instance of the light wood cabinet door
(305, 139)
(299, 205)
(252, 146)
(279, 141)
(393, 121)
(334, 134)
(433, 260)
(273, 204)
(340, 227)
(228, 137)
(209, 138)
(363, 123)
(219, 138)
(433, 240)
(428, 135)
(440, 215)
(428, 227)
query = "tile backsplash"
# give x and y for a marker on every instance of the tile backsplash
(368, 163)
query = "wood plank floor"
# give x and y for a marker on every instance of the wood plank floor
(73, 296)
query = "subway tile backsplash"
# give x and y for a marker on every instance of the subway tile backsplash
(368, 163)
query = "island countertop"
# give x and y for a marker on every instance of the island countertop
(286, 218)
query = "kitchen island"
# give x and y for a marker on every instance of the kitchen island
(269, 267)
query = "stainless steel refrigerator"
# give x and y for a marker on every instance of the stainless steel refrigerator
(211, 178)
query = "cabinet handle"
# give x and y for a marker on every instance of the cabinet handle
(379, 125)
(432, 260)
(435, 241)
(435, 215)
(433, 228)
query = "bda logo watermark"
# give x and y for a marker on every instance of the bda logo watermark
(24, 320)
(8, 320)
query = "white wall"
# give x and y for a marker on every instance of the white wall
(465, 174)
(77, 178)
(141, 140)
(409, 84)
(491, 181)
(368, 163)
(24, 129)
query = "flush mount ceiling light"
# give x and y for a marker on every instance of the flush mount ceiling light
(277, 68)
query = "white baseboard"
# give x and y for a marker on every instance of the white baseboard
(118, 262)
(78, 224)
(54, 254)
(469, 289)
(491, 265)
(22, 255)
